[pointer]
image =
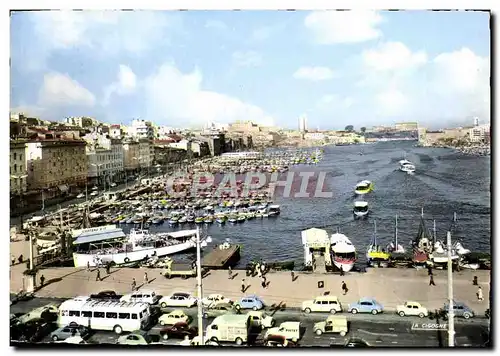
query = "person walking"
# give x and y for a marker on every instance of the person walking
(134, 284)
(243, 287)
(88, 266)
(479, 294)
(146, 281)
(474, 281)
(263, 282)
(341, 270)
(98, 275)
(431, 280)
(344, 288)
(292, 273)
(230, 273)
(42, 280)
(108, 268)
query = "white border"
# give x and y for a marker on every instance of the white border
(194, 4)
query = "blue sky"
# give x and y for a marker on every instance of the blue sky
(189, 68)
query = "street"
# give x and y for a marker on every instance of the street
(384, 330)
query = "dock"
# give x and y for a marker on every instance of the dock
(221, 258)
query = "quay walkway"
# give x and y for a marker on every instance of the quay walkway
(388, 286)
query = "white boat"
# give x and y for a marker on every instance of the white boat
(274, 210)
(394, 247)
(360, 209)
(473, 266)
(375, 256)
(440, 254)
(343, 252)
(101, 248)
(460, 249)
(363, 187)
(406, 166)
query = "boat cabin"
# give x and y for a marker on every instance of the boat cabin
(316, 242)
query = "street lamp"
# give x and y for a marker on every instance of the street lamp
(451, 314)
(199, 245)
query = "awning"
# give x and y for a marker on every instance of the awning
(103, 236)
(63, 188)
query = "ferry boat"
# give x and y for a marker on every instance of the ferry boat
(108, 244)
(363, 187)
(406, 166)
(343, 252)
(360, 209)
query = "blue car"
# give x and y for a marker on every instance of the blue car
(366, 305)
(459, 309)
(250, 302)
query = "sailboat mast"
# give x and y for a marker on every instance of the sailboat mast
(375, 236)
(455, 216)
(422, 212)
(396, 232)
(434, 230)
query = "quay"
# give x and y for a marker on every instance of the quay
(390, 287)
(219, 258)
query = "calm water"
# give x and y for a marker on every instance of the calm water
(445, 182)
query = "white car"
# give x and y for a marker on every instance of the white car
(412, 309)
(214, 298)
(177, 316)
(80, 196)
(113, 185)
(141, 296)
(94, 193)
(178, 300)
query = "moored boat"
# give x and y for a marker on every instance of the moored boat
(406, 166)
(360, 209)
(375, 255)
(343, 252)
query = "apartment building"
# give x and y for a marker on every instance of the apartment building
(131, 155)
(18, 172)
(146, 153)
(56, 165)
(141, 129)
(479, 133)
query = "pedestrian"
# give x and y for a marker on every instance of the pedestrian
(108, 268)
(88, 266)
(42, 280)
(292, 273)
(98, 276)
(243, 287)
(474, 281)
(134, 284)
(20, 258)
(13, 258)
(257, 270)
(341, 270)
(344, 288)
(480, 294)
(429, 270)
(263, 282)
(259, 274)
(146, 281)
(230, 273)
(263, 268)
(431, 280)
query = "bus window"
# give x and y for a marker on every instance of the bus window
(74, 313)
(123, 315)
(134, 316)
(111, 315)
(140, 315)
(87, 314)
(98, 314)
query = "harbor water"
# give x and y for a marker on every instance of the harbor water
(444, 182)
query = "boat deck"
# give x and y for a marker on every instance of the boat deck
(221, 258)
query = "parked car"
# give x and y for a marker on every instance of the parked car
(94, 193)
(178, 300)
(261, 319)
(48, 313)
(69, 331)
(217, 309)
(31, 331)
(324, 303)
(459, 310)
(250, 302)
(332, 324)
(412, 309)
(106, 295)
(174, 317)
(366, 305)
(143, 296)
(135, 338)
(214, 298)
(179, 331)
(290, 330)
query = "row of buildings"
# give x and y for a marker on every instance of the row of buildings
(474, 134)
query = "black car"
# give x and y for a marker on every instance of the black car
(106, 295)
(179, 331)
(32, 331)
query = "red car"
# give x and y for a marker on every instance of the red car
(179, 331)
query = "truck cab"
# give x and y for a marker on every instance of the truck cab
(261, 319)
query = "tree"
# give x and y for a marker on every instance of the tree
(363, 129)
(349, 128)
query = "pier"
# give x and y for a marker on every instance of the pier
(222, 258)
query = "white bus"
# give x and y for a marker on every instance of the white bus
(104, 315)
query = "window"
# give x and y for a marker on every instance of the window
(332, 302)
(140, 315)
(124, 316)
(111, 315)
(215, 327)
(20, 156)
(15, 156)
(98, 314)
(134, 316)
(74, 313)
(87, 314)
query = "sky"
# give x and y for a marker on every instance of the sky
(189, 68)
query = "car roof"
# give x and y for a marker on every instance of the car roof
(181, 294)
(177, 311)
(251, 296)
(144, 291)
(367, 299)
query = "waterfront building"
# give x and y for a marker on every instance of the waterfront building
(18, 172)
(406, 126)
(479, 133)
(56, 165)
(131, 156)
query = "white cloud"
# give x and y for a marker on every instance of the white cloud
(331, 102)
(392, 102)
(216, 24)
(247, 59)
(60, 90)
(314, 73)
(179, 99)
(330, 27)
(393, 56)
(125, 84)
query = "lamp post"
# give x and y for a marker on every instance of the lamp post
(200, 281)
(451, 314)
